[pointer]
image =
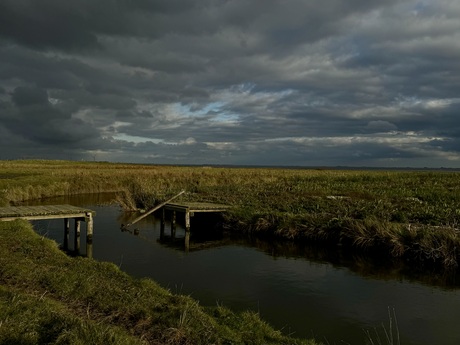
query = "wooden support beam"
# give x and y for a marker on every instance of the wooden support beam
(89, 227)
(89, 250)
(187, 241)
(66, 233)
(76, 243)
(163, 224)
(187, 221)
(154, 209)
(173, 225)
(187, 230)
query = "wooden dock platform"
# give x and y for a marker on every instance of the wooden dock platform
(189, 209)
(196, 207)
(65, 212)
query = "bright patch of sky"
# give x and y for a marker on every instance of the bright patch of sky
(226, 118)
(394, 137)
(135, 139)
(213, 111)
(197, 110)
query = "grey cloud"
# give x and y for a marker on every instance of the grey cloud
(33, 117)
(236, 82)
(25, 96)
(381, 126)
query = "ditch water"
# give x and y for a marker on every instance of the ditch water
(303, 291)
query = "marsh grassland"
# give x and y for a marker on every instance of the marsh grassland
(47, 297)
(414, 215)
(411, 215)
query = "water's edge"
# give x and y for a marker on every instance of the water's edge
(302, 289)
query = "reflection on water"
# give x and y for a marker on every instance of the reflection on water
(360, 263)
(304, 290)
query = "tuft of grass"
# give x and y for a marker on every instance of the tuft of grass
(385, 336)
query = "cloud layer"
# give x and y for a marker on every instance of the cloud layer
(263, 82)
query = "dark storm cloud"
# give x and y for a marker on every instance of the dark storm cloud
(29, 96)
(32, 116)
(232, 81)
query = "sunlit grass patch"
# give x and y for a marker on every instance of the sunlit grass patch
(26, 319)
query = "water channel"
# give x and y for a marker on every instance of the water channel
(304, 291)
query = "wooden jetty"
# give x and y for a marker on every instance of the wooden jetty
(188, 209)
(65, 212)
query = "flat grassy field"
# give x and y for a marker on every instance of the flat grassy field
(414, 215)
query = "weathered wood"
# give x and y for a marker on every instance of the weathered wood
(188, 208)
(197, 207)
(154, 209)
(173, 225)
(187, 221)
(163, 224)
(76, 239)
(66, 233)
(89, 227)
(187, 241)
(42, 212)
(89, 250)
(65, 212)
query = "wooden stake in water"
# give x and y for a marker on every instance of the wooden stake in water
(154, 209)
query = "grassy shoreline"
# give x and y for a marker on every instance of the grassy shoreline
(48, 297)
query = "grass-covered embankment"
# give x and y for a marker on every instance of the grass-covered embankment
(410, 214)
(47, 297)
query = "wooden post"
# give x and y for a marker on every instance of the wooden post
(76, 243)
(187, 220)
(163, 223)
(89, 235)
(173, 225)
(89, 227)
(89, 250)
(66, 234)
(187, 230)
(187, 241)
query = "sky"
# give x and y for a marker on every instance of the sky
(239, 82)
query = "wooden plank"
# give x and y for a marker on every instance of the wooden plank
(178, 208)
(80, 216)
(43, 212)
(209, 210)
(197, 207)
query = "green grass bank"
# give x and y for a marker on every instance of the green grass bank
(47, 297)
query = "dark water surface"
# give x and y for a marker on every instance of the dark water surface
(304, 291)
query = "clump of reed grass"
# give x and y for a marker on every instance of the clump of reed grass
(126, 200)
(385, 336)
